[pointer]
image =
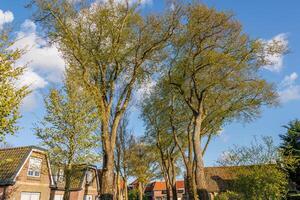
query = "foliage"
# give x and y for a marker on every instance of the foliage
(68, 130)
(260, 175)
(110, 49)
(261, 182)
(229, 195)
(141, 162)
(69, 127)
(11, 94)
(291, 148)
(257, 152)
(133, 194)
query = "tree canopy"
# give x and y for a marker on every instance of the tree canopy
(11, 94)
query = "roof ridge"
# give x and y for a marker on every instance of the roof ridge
(23, 147)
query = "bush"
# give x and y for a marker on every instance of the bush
(229, 195)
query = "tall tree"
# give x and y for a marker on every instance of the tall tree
(11, 95)
(159, 134)
(214, 69)
(125, 140)
(110, 48)
(68, 130)
(291, 147)
(142, 165)
(167, 117)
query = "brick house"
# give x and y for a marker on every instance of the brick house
(218, 179)
(157, 190)
(25, 174)
(84, 184)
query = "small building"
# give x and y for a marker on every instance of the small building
(157, 190)
(84, 183)
(219, 179)
(25, 174)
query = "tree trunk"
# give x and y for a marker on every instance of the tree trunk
(173, 180)
(107, 179)
(118, 185)
(199, 171)
(68, 174)
(174, 192)
(125, 189)
(190, 183)
(141, 191)
(168, 188)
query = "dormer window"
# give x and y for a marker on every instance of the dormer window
(61, 175)
(34, 168)
(89, 177)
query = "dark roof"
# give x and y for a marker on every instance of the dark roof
(219, 179)
(11, 162)
(77, 177)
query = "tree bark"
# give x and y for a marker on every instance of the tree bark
(107, 179)
(125, 189)
(168, 188)
(141, 191)
(173, 181)
(199, 170)
(68, 175)
(190, 183)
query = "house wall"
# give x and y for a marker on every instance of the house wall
(91, 189)
(40, 184)
(74, 195)
(158, 194)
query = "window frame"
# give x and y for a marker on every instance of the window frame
(34, 171)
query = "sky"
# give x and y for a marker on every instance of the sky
(267, 20)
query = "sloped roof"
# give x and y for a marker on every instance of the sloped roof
(11, 162)
(217, 179)
(161, 185)
(77, 177)
(220, 178)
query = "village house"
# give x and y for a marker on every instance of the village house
(84, 183)
(157, 190)
(25, 174)
(218, 179)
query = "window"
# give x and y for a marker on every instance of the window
(30, 196)
(60, 175)
(180, 191)
(58, 197)
(89, 177)
(164, 191)
(88, 197)
(34, 168)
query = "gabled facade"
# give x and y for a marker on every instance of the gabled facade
(84, 184)
(158, 191)
(25, 174)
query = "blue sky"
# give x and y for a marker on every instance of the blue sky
(268, 19)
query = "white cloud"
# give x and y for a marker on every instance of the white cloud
(289, 89)
(33, 80)
(223, 135)
(289, 80)
(276, 58)
(43, 61)
(31, 101)
(145, 89)
(5, 17)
